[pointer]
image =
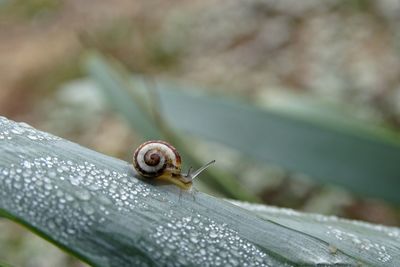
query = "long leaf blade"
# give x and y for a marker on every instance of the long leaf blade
(94, 207)
(364, 160)
(364, 163)
(109, 77)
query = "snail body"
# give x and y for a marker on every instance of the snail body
(158, 160)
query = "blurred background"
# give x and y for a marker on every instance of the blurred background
(324, 76)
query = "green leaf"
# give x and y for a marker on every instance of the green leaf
(363, 159)
(94, 207)
(340, 234)
(357, 159)
(112, 82)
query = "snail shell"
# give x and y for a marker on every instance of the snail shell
(153, 158)
(160, 160)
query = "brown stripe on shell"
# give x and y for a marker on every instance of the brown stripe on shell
(152, 157)
(150, 175)
(161, 170)
(178, 157)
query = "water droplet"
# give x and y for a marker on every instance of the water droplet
(75, 180)
(48, 186)
(184, 237)
(213, 234)
(83, 194)
(194, 239)
(27, 164)
(94, 187)
(68, 197)
(51, 174)
(17, 185)
(32, 137)
(88, 209)
(51, 225)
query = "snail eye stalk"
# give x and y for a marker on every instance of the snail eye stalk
(196, 173)
(189, 172)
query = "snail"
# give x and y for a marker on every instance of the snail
(161, 161)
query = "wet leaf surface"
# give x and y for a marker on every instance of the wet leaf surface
(94, 207)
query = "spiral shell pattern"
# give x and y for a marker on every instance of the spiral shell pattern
(154, 158)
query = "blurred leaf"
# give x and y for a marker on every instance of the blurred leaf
(363, 160)
(328, 113)
(140, 106)
(111, 82)
(94, 207)
(357, 159)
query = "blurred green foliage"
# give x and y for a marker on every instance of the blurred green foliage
(28, 9)
(352, 157)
